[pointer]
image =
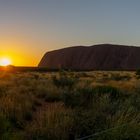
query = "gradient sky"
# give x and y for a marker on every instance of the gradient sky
(29, 28)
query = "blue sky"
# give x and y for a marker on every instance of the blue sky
(37, 26)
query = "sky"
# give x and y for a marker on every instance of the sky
(30, 28)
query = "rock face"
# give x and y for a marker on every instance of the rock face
(97, 57)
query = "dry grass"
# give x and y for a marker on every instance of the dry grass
(34, 106)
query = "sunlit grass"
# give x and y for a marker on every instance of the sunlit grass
(41, 106)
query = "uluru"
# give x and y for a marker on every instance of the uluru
(95, 57)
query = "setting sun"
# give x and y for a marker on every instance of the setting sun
(5, 61)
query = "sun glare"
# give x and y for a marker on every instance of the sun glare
(5, 61)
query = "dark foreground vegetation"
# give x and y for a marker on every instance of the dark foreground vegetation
(68, 105)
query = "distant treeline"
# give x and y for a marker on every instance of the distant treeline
(45, 69)
(25, 69)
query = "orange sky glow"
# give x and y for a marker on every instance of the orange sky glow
(19, 56)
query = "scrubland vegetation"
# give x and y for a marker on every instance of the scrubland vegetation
(69, 105)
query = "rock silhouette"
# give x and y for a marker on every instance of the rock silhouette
(96, 57)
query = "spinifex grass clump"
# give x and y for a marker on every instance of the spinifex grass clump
(65, 79)
(113, 92)
(53, 123)
(119, 77)
(85, 96)
(138, 73)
